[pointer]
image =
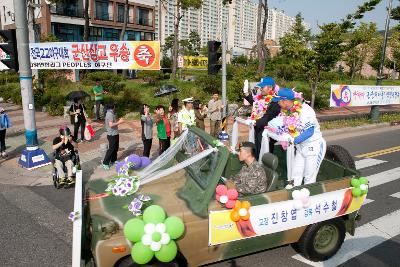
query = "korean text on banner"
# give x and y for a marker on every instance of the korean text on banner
(281, 216)
(191, 62)
(138, 55)
(363, 95)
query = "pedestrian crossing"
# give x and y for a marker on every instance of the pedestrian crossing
(372, 233)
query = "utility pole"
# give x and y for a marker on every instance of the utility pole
(31, 27)
(374, 113)
(224, 45)
(32, 156)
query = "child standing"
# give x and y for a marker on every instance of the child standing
(163, 129)
(147, 129)
(4, 124)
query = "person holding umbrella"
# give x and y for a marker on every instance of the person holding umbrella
(78, 117)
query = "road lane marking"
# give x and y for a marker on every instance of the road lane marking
(367, 236)
(368, 162)
(383, 177)
(397, 195)
(367, 200)
(379, 152)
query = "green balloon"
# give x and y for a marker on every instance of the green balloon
(141, 254)
(134, 229)
(356, 192)
(363, 192)
(175, 227)
(156, 236)
(154, 214)
(363, 180)
(355, 182)
(167, 252)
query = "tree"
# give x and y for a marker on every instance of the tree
(191, 46)
(262, 18)
(394, 44)
(358, 47)
(181, 7)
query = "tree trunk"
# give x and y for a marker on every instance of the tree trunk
(86, 27)
(261, 53)
(175, 47)
(122, 35)
(314, 85)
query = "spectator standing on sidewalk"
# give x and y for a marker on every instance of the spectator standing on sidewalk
(147, 129)
(4, 124)
(77, 111)
(98, 98)
(186, 116)
(163, 129)
(111, 125)
(200, 114)
(173, 116)
(215, 107)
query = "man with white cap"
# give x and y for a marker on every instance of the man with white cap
(186, 116)
(310, 145)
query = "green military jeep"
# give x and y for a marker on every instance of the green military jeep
(317, 229)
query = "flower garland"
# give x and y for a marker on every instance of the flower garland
(260, 104)
(291, 117)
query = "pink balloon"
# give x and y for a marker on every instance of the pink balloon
(230, 204)
(221, 189)
(232, 194)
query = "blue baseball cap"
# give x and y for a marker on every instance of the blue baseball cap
(266, 81)
(284, 94)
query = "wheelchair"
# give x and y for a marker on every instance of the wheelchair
(56, 177)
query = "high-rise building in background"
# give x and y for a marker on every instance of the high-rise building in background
(240, 18)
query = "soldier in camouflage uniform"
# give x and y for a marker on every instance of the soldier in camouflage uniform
(252, 178)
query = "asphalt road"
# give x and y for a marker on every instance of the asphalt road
(35, 230)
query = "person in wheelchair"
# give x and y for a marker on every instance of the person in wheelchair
(64, 155)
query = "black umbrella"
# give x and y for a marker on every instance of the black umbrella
(166, 90)
(77, 94)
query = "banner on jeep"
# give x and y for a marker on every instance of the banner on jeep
(363, 95)
(281, 216)
(138, 55)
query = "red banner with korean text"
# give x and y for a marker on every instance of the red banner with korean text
(138, 55)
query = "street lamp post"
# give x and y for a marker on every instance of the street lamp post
(374, 113)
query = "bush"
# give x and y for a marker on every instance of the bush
(11, 91)
(9, 77)
(110, 81)
(209, 83)
(152, 76)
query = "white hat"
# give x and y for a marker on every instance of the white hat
(188, 100)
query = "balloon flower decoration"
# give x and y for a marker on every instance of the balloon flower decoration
(154, 235)
(131, 162)
(226, 196)
(301, 198)
(240, 211)
(360, 186)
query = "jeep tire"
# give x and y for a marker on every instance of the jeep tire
(340, 155)
(128, 262)
(322, 240)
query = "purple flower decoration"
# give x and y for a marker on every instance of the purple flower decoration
(73, 215)
(135, 207)
(143, 198)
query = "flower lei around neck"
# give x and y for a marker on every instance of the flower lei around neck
(261, 102)
(291, 117)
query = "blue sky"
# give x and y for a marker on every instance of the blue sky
(317, 12)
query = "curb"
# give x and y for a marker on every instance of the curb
(332, 132)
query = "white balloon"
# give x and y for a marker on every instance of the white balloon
(149, 228)
(298, 204)
(307, 203)
(223, 199)
(296, 194)
(160, 227)
(363, 187)
(155, 246)
(305, 192)
(242, 212)
(165, 238)
(147, 240)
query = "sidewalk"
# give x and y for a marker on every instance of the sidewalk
(91, 153)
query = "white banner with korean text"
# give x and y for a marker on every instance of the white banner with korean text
(281, 216)
(138, 55)
(363, 95)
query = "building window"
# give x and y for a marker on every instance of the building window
(111, 34)
(144, 17)
(70, 8)
(95, 34)
(121, 13)
(67, 32)
(102, 11)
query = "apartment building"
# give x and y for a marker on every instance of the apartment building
(65, 19)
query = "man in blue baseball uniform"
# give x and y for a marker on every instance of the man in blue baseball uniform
(310, 145)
